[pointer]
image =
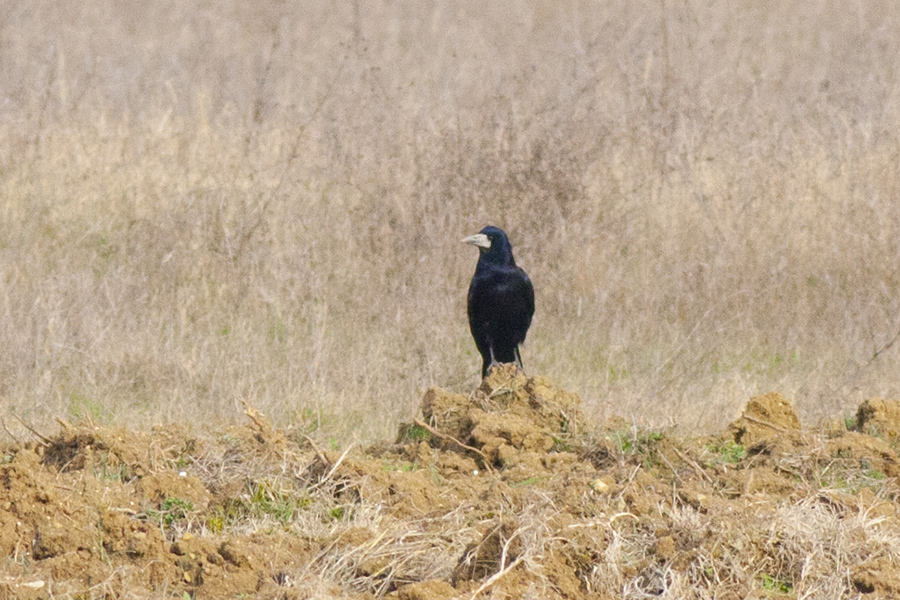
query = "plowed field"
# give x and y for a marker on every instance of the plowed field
(505, 493)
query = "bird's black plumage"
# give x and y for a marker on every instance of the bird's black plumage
(501, 300)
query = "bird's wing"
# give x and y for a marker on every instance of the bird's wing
(479, 308)
(528, 290)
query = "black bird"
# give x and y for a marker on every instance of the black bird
(501, 300)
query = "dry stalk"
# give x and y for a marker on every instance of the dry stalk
(318, 451)
(10, 433)
(334, 468)
(444, 436)
(65, 424)
(257, 417)
(44, 440)
(496, 576)
(763, 422)
(604, 522)
(692, 464)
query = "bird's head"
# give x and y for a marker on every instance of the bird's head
(493, 245)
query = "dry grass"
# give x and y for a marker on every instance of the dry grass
(209, 203)
(264, 512)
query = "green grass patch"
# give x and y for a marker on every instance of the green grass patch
(264, 500)
(629, 442)
(728, 452)
(402, 467)
(82, 406)
(774, 584)
(171, 511)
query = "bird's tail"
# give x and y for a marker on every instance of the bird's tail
(519, 359)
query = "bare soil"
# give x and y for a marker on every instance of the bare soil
(505, 493)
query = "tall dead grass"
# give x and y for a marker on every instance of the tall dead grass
(209, 203)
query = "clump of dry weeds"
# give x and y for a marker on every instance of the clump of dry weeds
(264, 204)
(468, 503)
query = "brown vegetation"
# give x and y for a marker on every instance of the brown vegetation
(205, 204)
(508, 492)
(208, 206)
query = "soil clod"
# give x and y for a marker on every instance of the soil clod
(506, 492)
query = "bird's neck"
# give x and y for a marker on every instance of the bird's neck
(498, 261)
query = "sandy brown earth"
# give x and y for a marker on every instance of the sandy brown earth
(505, 493)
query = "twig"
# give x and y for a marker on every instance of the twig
(333, 468)
(444, 436)
(597, 522)
(884, 349)
(255, 416)
(318, 452)
(44, 440)
(692, 464)
(9, 433)
(759, 421)
(502, 390)
(66, 425)
(671, 466)
(628, 481)
(496, 576)
(338, 463)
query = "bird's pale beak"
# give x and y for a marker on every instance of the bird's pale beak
(479, 239)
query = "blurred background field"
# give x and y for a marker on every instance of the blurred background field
(210, 203)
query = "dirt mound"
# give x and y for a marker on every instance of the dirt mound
(504, 493)
(764, 417)
(510, 419)
(880, 418)
(95, 512)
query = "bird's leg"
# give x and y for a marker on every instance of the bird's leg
(494, 362)
(519, 365)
